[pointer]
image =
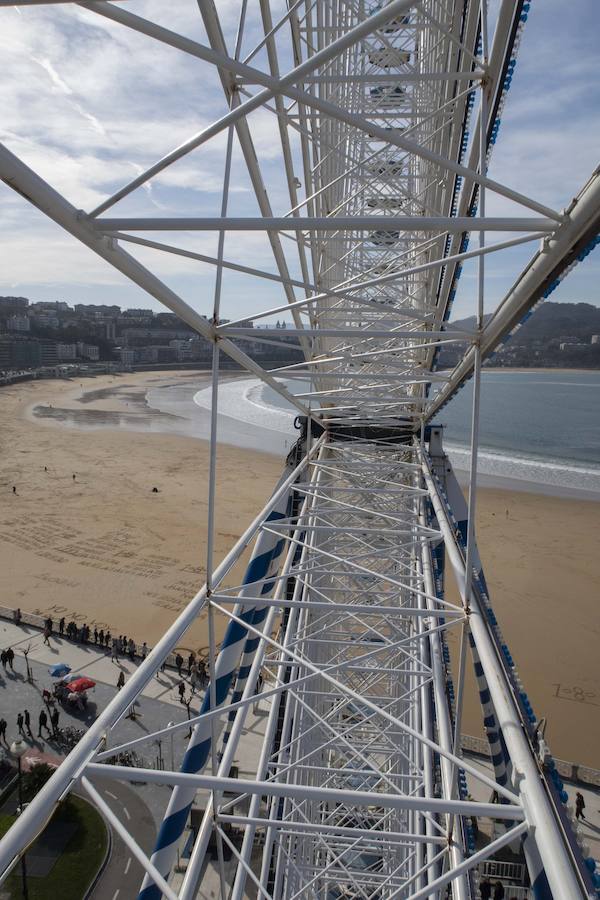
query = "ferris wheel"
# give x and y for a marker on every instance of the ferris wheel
(364, 132)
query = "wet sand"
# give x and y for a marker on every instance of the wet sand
(105, 549)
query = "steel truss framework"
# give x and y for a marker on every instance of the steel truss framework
(388, 114)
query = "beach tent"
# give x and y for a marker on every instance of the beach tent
(80, 685)
(59, 669)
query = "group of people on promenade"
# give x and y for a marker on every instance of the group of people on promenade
(24, 725)
(121, 646)
(124, 646)
(7, 658)
(196, 672)
(97, 637)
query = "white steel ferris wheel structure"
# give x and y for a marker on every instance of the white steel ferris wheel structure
(386, 115)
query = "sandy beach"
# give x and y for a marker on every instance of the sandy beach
(103, 548)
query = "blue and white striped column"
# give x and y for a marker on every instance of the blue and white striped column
(251, 645)
(460, 511)
(498, 750)
(248, 654)
(257, 581)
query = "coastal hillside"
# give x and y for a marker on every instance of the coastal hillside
(37, 333)
(558, 335)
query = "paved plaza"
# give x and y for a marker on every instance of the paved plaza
(141, 807)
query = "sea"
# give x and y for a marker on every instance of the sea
(537, 429)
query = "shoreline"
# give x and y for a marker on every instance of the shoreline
(103, 548)
(146, 411)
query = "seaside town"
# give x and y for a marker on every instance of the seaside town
(52, 335)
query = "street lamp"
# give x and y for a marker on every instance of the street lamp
(170, 725)
(26, 655)
(18, 748)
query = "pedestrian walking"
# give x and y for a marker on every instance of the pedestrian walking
(95, 635)
(257, 691)
(579, 806)
(202, 672)
(54, 716)
(47, 635)
(43, 722)
(120, 681)
(74, 476)
(101, 637)
(181, 689)
(194, 679)
(115, 650)
(10, 656)
(27, 718)
(3, 724)
(3, 659)
(498, 891)
(131, 649)
(485, 889)
(17, 616)
(61, 626)
(179, 663)
(20, 721)
(144, 652)
(107, 638)
(14, 489)
(191, 661)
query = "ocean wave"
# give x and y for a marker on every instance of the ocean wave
(247, 400)
(550, 472)
(236, 402)
(521, 459)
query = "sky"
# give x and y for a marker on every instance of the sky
(88, 104)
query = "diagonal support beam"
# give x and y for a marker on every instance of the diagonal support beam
(26, 182)
(552, 259)
(284, 85)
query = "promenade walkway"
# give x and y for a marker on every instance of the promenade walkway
(159, 705)
(88, 658)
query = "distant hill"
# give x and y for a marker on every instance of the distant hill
(556, 335)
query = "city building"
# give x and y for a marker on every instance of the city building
(66, 351)
(88, 351)
(13, 305)
(48, 353)
(18, 323)
(126, 356)
(92, 310)
(18, 352)
(45, 319)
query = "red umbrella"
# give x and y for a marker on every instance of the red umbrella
(81, 684)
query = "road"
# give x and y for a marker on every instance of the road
(123, 874)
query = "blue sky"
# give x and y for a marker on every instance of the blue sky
(89, 104)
